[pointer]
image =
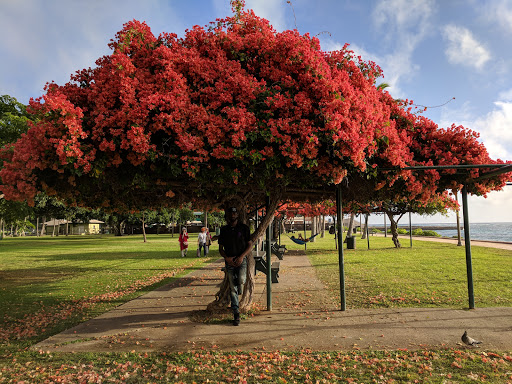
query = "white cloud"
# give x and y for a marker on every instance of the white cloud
(505, 95)
(50, 40)
(496, 130)
(463, 48)
(396, 66)
(405, 24)
(500, 12)
(397, 16)
(495, 127)
(272, 10)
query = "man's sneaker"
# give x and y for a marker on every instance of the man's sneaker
(236, 319)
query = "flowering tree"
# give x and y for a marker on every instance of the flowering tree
(233, 110)
(396, 191)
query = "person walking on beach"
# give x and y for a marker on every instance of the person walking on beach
(183, 240)
(234, 246)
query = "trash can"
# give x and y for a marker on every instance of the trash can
(351, 242)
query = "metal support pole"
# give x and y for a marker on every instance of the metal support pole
(467, 241)
(457, 213)
(339, 213)
(410, 228)
(259, 240)
(305, 236)
(335, 218)
(367, 230)
(269, 262)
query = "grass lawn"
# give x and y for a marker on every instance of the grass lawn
(49, 284)
(429, 274)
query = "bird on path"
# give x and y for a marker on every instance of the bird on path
(469, 341)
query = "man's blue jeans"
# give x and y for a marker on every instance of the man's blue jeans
(237, 277)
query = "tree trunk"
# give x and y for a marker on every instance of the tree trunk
(350, 229)
(222, 298)
(365, 231)
(275, 230)
(54, 225)
(118, 227)
(143, 227)
(43, 226)
(394, 229)
(322, 227)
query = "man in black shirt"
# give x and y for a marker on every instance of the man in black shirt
(234, 245)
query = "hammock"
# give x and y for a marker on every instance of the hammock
(301, 242)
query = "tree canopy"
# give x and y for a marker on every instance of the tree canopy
(232, 108)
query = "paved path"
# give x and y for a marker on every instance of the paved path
(302, 317)
(474, 243)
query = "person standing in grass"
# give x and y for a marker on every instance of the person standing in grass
(201, 242)
(208, 242)
(183, 240)
(234, 245)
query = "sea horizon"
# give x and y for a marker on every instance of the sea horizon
(487, 231)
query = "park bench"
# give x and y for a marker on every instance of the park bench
(373, 231)
(276, 249)
(261, 265)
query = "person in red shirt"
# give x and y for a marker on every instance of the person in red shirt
(183, 240)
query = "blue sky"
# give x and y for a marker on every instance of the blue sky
(431, 51)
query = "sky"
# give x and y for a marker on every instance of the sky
(452, 56)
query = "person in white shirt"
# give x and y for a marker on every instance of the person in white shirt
(201, 242)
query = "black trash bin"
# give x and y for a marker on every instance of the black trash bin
(351, 242)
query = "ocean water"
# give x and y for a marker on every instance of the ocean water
(477, 231)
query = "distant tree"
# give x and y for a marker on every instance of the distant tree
(185, 214)
(14, 120)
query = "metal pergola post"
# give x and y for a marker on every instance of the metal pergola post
(268, 250)
(410, 227)
(339, 213)
(367, 230)
(457, 214)
(467, 241)
(305, 236)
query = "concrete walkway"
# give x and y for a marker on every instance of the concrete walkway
(303, 316)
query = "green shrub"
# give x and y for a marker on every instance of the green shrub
(431, 233)
(418, 232)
